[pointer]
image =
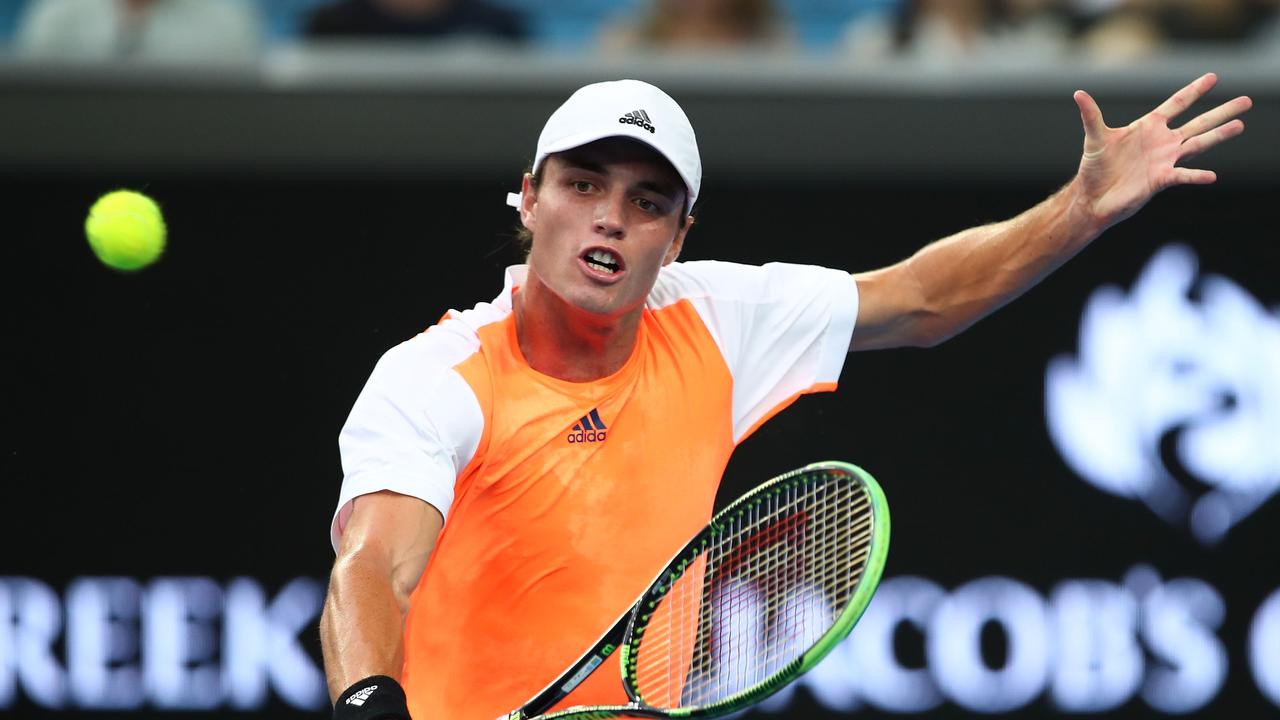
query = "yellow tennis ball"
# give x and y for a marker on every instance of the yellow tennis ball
(125, 230)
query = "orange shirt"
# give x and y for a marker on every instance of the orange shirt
(563, 500)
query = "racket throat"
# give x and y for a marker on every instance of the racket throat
(577, 673)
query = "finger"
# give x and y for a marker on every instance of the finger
(1186, 97)
(1188, 176)
(1215, 117)
(1090, 115)
(1204, 141)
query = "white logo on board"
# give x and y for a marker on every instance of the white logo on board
(1173, 399)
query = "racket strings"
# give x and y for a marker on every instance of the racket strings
(768, 587)
(744, 609)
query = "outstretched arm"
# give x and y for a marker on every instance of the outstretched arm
(952, 283)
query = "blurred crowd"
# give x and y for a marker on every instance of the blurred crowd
(927, 31)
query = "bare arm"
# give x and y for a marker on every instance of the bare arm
(382, 554)
(951, 284)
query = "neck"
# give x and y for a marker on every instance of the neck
(563, 341)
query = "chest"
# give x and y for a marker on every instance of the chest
(660, 433)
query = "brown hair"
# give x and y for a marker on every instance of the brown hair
(524, 237)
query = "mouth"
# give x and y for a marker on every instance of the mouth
(603, 262)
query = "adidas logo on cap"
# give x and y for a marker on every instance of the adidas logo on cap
(638, 117)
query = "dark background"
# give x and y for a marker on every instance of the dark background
(183, 420)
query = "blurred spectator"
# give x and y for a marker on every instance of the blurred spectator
(415, 19)
(167, 30)
(700, 25)
(1118, 31)
(942, 32)
(1205, 20)
(944, 28)
(1104, 32)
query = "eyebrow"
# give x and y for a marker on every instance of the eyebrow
(667, 191)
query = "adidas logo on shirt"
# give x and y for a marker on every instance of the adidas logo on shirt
(637, 117)
(362, 696)
(590, 429)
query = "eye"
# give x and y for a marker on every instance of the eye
(582, 186)
(647, 205)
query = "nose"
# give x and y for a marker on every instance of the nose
(609, 216)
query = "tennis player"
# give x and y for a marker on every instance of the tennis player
(498, 463)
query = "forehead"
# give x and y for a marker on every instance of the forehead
(605, 154)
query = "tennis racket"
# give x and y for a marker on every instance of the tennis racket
(770, 586)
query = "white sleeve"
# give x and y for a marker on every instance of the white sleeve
(412, 430)
(783, 329)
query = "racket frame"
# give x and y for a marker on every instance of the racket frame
(622, 636)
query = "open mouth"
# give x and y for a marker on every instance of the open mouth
(603, 261)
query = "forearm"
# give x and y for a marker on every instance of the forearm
(361, 628)
(964, 277)
(953, 283)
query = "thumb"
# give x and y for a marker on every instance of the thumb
(1091, 118)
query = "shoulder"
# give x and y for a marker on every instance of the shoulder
(419, 382)
(754, 284)
(458, 335)
(446, 344)
(699, 279)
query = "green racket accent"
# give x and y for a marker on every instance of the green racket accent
(870, 575)
(597, 712)
(798, 556)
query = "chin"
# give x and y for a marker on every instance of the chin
(595, 307)
(604, 305)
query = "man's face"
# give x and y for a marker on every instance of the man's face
(605, 218)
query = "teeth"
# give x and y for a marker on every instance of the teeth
(603, 260)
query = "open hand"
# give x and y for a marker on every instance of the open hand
(1122, 168)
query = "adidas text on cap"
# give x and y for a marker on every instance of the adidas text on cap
(624, 108)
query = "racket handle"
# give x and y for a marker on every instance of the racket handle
(579, 671)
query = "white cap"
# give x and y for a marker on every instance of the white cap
(623, 108)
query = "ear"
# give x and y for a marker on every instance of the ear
(677, 245)
(528, 203)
